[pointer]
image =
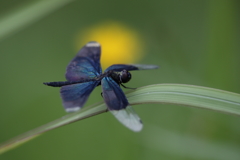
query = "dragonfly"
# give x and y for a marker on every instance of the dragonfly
(84, 73)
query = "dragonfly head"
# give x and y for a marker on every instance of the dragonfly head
(125, 76)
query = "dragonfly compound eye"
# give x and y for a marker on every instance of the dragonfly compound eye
(125, 76)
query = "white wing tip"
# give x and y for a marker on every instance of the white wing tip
(72, 109)
(137, 128)
(129, 118)
(92, 44)
(146, 66)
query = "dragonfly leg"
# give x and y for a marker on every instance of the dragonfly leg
(126, 87)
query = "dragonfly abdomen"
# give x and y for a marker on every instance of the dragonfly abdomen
(64, 83)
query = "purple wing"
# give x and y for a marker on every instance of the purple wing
(131, 67)
(74, 96)
(86, 64)
(118, 105)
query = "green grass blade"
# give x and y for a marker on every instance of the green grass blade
(187, 95)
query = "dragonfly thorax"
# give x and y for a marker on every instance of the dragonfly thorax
(125, 76)
(121, 77)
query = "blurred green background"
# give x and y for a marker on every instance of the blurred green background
(194, 42)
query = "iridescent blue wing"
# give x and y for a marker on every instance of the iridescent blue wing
(131, 67)
(74, 96)
(118, 105)
(86, 64)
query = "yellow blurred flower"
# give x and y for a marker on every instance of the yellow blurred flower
(120, 44)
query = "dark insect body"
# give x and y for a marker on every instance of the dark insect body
(84, 73)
